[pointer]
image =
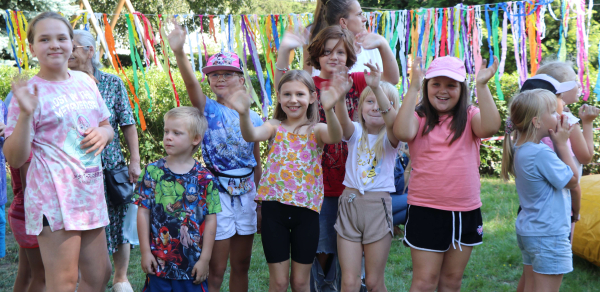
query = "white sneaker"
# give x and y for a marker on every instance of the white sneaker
(122, 287)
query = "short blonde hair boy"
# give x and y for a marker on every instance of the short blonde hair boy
(196, 122)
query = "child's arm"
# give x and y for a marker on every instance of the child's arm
(344, 83)
(487, 122)
(370, 41)
(17, 146)
(576, 202)
(583, 143)
(387, 111)
(559, 139)
(241, 103)
(291, 41)
(200, 270)
(330, 133)
(176, 41)
(149, 264)
(406, 124)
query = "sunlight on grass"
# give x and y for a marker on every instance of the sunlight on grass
(494, 266)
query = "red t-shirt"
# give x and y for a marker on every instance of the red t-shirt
(334, 156)
(17, 209)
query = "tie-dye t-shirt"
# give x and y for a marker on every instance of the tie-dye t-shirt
(63, 182)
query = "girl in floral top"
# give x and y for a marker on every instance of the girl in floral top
(292, 185)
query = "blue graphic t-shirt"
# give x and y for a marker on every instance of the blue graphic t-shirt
(178, 204)
(223, 147)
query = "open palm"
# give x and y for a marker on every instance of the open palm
(27, 101)
(484, 75)
(177, 37)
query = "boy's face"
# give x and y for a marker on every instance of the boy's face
(177, 139)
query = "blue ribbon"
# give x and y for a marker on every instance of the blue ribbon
(11, 34)
(489, 34)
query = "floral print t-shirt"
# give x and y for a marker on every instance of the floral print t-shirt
(223, 147)
(178, 205)
(292, 174)
(63, 182)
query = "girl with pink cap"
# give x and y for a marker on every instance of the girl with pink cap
(443, 132)
(235, 162)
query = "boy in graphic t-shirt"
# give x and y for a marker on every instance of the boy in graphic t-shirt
(178, 200)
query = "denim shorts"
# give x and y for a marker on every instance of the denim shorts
(327, 233)
(549, 255)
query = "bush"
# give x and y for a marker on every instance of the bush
(163, 99)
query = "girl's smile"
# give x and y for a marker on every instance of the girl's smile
(295, 99)
(443, 93)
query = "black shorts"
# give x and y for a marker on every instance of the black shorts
(437, 230)
(283, 226)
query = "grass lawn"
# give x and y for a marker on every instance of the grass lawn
(494, 266)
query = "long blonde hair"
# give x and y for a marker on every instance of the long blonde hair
(392, 93)
(523, 108)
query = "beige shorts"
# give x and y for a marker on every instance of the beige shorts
(364, 218)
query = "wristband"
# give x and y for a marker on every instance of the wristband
(387, 110)
(283, 70)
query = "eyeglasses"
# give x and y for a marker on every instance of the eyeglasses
(75, 47)
(226, 76)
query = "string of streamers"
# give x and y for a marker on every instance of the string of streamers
(428, 33)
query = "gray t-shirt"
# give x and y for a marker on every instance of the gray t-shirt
(540, 178)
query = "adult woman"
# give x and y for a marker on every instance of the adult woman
(112, 89)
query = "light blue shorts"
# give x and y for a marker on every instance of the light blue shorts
(549, 255)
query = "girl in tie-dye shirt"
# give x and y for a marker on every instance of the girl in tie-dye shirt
(60, 116)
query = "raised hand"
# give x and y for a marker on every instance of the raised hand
(416, 74)
(484, 75)
(563, 131)
(27, 101)
(294, 38)
(588, 113)
(240, 100)
(335, 89)
(177, 37)
(374, 78)
(369, 40)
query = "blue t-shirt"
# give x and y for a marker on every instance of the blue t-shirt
(4, 116)
(223, 147)
(540, 179)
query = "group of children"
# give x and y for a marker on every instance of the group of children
(335, 135)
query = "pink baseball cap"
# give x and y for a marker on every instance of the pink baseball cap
(447, 66)
(223, 61)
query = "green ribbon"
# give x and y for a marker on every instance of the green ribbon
(139, 61)
(133, 51)
(495, 24)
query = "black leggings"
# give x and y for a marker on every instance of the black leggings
(284, 226)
